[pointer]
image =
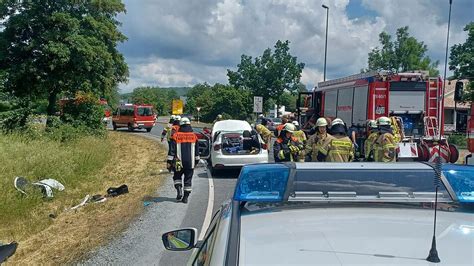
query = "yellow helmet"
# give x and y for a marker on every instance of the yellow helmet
(384, 121)
(321, 122)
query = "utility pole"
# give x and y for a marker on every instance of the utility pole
(326, 45)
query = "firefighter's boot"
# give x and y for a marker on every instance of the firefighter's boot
(179, 192)
(185, 197)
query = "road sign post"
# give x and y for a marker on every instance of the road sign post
(257, 104)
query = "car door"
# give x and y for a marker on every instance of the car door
(204, 144)
(204, 254)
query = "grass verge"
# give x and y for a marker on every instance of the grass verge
(86, 166)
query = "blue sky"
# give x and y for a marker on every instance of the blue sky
(182, 43)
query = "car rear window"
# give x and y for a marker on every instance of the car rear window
(367, 182)
(144, 111)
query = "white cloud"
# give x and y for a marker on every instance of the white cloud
(185, 42)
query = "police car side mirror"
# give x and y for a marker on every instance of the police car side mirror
(180, 240)
(459, 91)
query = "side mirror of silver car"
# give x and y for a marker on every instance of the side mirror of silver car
(180, 240)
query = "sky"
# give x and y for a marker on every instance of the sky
(184, 42)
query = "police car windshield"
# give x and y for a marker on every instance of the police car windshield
(370, 182)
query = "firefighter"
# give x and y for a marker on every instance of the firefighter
(174, 129)
(184, 156)
(372, 134)
(340, 147)
(316, 141)
(167, 130)
(301, 137)
(280, 127)
(287, 148)
(385, 145)
(264, 132)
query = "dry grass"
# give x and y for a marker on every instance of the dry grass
(132, 160)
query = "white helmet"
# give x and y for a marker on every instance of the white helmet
(372, 124)
(219, 116)
(321, 122)
(384, 121)
(337, 121)
(295, 123)
(177, 118)
(289, 127)
(184, 121)
(173, 117)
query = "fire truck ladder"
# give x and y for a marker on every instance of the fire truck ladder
(433, 98)
(431, 127)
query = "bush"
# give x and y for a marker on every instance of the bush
(14, 120)
(84, 111)
(458, 139)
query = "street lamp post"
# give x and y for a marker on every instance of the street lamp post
(326, 45)
(198, 109)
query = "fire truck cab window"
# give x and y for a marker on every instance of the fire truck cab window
(330, 100)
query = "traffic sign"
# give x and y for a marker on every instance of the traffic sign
(177, 107)
(257, 104)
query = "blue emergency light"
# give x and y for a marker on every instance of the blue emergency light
(262, 183)
(461, 179)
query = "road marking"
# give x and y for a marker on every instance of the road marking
(210, 205)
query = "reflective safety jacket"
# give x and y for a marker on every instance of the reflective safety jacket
(315, 143)
(287, 150)
(369, 144)
(184, 150)
(264, 132)
(300, 136)
(385, 148)
(338, 149)
(278, 129)
(167, 132)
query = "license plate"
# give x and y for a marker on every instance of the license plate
(141, 125)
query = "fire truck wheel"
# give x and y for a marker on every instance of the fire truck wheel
(114, 126)
(130, 127)
(426, 153)
(453, 150)
(421, 153)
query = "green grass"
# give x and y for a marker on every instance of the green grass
(72, 163)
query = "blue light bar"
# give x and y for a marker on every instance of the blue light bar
(461, 179)
(262, 183)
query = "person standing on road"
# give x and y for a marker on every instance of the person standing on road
(184, 156)
(372, 134)
(264, 132)
(301, 137)
(339, 148)
(317, 140)
(385, 145)
(287, 148)
(167, 130)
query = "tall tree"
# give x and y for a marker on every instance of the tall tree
(269, 75)
(462, 60)
(160, 98)
(406, 53)
(59, 47)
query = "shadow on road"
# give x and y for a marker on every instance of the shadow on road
(158, 199)
(222, 174)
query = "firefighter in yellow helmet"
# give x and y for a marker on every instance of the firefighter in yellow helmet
(385, 146)
(340, 147)
(372, 134)
(317, 140)
(287, 148)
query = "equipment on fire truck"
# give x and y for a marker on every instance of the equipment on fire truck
(412, 100)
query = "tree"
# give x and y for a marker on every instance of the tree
(60, 47)
(269, 75)
(158, 97)
(218, 99)
(462, 60)
(403, 54)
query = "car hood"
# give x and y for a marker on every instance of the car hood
(355, 236)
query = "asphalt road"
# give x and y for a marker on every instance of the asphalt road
(141, 243)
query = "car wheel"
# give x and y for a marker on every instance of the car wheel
(214, 171)
(148, 129)
(130, 128)
(114, 126)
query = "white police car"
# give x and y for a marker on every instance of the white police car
(338, 214)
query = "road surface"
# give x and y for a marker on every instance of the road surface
(141, 243)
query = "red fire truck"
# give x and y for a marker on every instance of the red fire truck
(414, 98)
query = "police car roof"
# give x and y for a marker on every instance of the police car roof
(349, 236)
(364, 165)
